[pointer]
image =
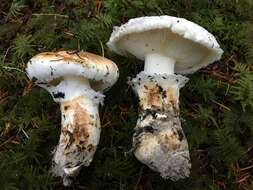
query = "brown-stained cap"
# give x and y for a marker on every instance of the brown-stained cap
(100, 71)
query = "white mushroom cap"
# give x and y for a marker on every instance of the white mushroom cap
(190, 45)
(101, 72)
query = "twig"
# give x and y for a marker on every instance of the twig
(99, 5)
(7, 51)
(221, 105)
(246, 168)
(12, 68)
(69, 33)
(139, 179)
(50, 14)
(220, 76)
(7, 141)
(102, 48)
(227, 90)
(26, 135)
(106, 124)
(3, 96)
(243, 179)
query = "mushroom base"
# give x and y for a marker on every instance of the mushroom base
(158, 140)
(80, 133)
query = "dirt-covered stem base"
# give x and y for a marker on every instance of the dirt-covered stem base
(80, 133)
(158, 140)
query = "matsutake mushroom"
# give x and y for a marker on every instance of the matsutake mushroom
(168, 45)
(76, 81)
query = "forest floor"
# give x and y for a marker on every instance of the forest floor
(216, 105)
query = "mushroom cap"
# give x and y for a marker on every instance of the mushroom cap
(190, 45)
(101, 72)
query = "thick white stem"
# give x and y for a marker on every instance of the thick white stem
(159, 64)
(80, 126)
(80, 133)
(159, 140)
(67, 88)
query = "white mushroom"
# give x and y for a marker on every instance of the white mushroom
(76, 81)
(168, 45)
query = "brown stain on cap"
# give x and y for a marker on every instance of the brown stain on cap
(95, 68)
(75, 57)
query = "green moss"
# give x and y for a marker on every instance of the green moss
(216, 104)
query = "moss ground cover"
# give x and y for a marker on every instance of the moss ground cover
(216, 104)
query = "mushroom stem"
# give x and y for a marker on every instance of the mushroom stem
(159, 64)
(67, 88)
(80, 127)
(159, 141)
